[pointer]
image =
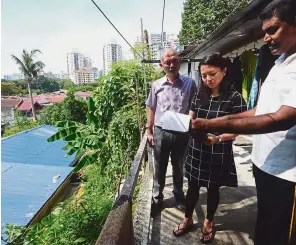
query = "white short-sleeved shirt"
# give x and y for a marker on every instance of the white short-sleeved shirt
(275, 153)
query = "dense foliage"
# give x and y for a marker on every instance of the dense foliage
(70, 109)
(22, 123)
(83, 88)
(114, 120)
(8, 89)
(45, 84)
(65, 84)
(200, 18)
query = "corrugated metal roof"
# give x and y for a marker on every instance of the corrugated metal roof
(32, 169)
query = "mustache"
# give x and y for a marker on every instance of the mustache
(273, 45)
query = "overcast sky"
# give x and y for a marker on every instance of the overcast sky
(56, 27)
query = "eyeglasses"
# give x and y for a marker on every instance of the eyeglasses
(169, 62)
(271, 30)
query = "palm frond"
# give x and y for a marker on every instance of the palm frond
(28, 67)
(34, 51)
(17, 60)
(22, 66)
(39, 64)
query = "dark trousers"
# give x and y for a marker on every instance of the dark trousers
(192, 196)
(168, 144)
(275, 199)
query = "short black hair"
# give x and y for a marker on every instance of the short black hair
(285, 10)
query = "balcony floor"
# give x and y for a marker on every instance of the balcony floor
(234, 219)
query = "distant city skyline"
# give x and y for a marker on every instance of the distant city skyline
(57, 27)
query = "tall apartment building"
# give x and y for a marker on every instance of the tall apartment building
(111, 54)
(83, 76)
(77, 61)
(87, 63)
(156, 49)
(156, 38)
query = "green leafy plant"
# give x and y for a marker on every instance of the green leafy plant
(84, 140)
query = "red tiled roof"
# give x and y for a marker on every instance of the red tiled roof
(26, 106)
(10, 103)
(83, 94)
(49, 99)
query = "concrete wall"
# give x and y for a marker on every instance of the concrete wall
(118, 229)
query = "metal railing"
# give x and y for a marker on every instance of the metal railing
(118, 228)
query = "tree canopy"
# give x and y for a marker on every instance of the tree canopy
(46, 85)
(201, 17)
(70, 109)
(8, 89)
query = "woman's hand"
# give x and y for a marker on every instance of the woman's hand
(211, 140)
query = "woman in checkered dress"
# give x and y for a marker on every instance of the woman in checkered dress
(210, 163)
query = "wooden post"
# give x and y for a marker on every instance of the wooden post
(293, 222)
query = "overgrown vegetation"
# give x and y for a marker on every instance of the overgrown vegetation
(83, 88)
(106, 144)
(22, 123)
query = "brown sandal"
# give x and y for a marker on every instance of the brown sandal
(211, 234)
(182, 231)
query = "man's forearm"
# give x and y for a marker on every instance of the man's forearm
(150, 119)
(245, 114)
(251, 125)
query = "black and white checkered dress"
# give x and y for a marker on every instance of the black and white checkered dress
(213, 164)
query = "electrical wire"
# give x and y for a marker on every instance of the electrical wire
(161, 38)
(116, 29)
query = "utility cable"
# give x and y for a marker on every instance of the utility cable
(161, 38)
(116, 29)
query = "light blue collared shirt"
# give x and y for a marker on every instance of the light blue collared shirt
(165, 95)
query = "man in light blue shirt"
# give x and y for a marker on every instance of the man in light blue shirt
(174, 93)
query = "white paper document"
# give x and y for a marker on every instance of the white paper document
(175, 121)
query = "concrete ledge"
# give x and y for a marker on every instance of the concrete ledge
(141, 219)
(118, 229)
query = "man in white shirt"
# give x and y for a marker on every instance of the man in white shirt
(273, 122)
